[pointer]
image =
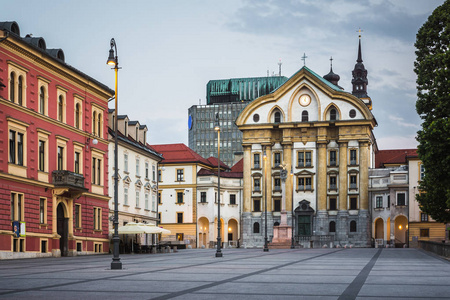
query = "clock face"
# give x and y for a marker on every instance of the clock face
(305, 100)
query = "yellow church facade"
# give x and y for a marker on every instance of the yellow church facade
(307, 147)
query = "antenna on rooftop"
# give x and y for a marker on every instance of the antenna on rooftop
(279, 67)
(199, 101)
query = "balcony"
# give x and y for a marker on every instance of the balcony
(69, 183)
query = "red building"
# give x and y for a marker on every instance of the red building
(53, 152)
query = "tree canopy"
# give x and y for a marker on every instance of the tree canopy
(432, 67)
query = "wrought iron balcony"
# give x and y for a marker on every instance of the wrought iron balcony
(64, 178)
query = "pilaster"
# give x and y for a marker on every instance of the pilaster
(322, 177)
(247, 205)
(343, 176)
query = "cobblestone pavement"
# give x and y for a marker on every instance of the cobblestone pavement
(239, 274)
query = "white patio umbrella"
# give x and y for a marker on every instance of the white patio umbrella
(152, 229)
(131, 228)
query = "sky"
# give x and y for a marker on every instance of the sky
(169, 50)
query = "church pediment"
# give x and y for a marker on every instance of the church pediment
(305, 97)
(304, 173)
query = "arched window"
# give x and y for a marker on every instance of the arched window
(11, 87)
(276, 224)
(305, 116)
(353, 226)
(333, 114)
(332, 226)
(20, 91)
(60, 108)
(256, 227)
(94, 118)
(77, 115)
(42, 100)
(99, 124)
(277, 117)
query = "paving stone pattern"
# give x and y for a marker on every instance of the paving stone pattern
(239, 274)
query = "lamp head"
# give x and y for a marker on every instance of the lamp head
(217, 126)
(111, 59)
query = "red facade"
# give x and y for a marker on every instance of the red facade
(53, 152)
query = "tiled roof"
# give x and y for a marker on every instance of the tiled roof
(213, 161)
(393, 157)
(179, 153)
(238, 167)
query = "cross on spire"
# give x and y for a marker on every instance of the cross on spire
(359, 31)
(304, 57)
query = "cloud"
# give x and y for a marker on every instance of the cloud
(401, 122)
(397, 142)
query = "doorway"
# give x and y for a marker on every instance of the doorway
(62, 229)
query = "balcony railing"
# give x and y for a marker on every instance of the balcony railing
(67, 178)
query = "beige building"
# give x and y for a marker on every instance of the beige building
(421, 225)
(323, 137)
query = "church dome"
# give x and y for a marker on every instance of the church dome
(332, 77)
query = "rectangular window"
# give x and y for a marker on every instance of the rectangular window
(277, 159)
(423, 217)
(16, 147)
(97, 218)
(125, 196)
(159, 175)
(353, 184)
(42, 210)
(77, 162)
(180, 197)
(333, 161)
(256, 205)
(137, 199)
(153, 202)
(379, 202)
(401, 199)
(276, 204)
(256, 161)
(137, 167)
(146, 201)
(256, 184)
(424, 232)
(159, 198)
(146, 171)
(333, 185)
(352, 157)
(353, 203)
(308, 162)
(179, 218)
(422, 171)
(232, 199)
(125, 162)
(304, 159)
(388, 201)
(277, 184)
(41, 156)
(12, 146)
(203, 197)
(60, 158)
(154, 173)
(77, 216)
(17, 207)
(180, 174)
(333, 204)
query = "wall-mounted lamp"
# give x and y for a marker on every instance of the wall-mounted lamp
(229, 229)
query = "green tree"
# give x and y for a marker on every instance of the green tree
(432, 67)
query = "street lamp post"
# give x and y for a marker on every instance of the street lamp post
(219, 240)
(266, 247)
(113, 60)
(292, 208)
